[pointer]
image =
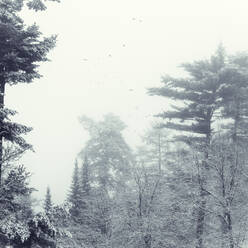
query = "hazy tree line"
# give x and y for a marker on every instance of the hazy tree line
(185, 186)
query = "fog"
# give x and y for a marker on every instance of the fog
(108, 53)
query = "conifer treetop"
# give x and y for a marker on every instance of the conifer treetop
(22, 47)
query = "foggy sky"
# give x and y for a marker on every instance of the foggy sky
(108, 52)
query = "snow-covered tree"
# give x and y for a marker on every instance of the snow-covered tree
(107, 152)
(22, 48)
(15, 205)
(48, 201)
(85, 178)
(75, 194)
(199, 98)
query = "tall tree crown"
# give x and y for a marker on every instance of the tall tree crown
(107, 152)
(21, 47)
(197, 94)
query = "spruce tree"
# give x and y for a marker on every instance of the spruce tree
(199, 99)
(110, 160)
(85, 180)
(14, 213)
(86, 196)
(22, 48)
(75, 193)
(48, 201)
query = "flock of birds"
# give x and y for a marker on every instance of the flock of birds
(123, 45)
(134, 19)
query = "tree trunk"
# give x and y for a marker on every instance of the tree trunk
(159, 152)
(229, 226)
(226, 220)
(227, 214)
(148, 240)
(200, 221)
(227, 232)
(203, 196)
(2, 92)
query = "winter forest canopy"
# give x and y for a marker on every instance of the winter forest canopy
(184, 186)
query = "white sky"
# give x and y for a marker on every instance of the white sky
(104, 49)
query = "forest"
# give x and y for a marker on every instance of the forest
(185, 186)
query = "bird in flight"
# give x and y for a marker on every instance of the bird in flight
(135, 19)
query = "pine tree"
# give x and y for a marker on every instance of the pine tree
(110, 160)
(234, 104)
(199, 99)
(234, 96)
(48, 201)
(107, 152)
(21, 49)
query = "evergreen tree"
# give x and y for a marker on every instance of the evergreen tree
(48, 201)
(199, 95)
(234, 103)
(85, 178)
(75, 195)
(15, 208)
(86, 194)
(234, 96)
(21, 49)
(107, 152)
(110, 162)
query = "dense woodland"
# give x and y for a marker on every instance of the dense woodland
(185, 186)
